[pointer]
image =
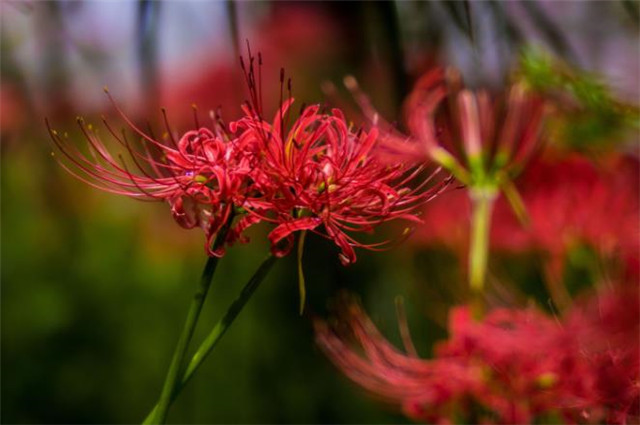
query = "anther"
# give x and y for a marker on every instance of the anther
(350, 82)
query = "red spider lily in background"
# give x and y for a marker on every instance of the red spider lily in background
(319, 174)
(203, 176)
(514, 366)
(483, 139)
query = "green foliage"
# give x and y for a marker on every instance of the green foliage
(586, 114)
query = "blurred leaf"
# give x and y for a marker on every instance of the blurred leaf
(587, 116)
(632, 7)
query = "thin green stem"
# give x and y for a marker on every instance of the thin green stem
(217, 332)
(185, 337)
(301, 283)
(482, 205)
(180, 351)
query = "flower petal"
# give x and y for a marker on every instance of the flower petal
(285, 230)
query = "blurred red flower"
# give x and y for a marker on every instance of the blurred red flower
(513, 366)
(483, 139)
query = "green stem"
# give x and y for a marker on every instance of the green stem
(482, 204)
(217, 332)
(301, 283)
(195, 308)
(185, 337)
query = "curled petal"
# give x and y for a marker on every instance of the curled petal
(235, 234)
(286, 229)
(212, 228)
(184, 211)
(347, 255)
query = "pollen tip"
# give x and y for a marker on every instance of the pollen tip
(328, 87)
(194, 106)
(106, 89)
(350, 82)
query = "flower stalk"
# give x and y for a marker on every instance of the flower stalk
(193, 315)
(301, 282)
(482, 200)
(214, 336)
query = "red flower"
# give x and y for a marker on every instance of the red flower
(514, 366)
(483, 139)
(423, 388)
(319, 174)
(571, 201)
(608, 330)
(203, 176)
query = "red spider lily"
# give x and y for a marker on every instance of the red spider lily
(203, 175)
(514, 366)
(608, 328)
(481, 138)
(320, 175)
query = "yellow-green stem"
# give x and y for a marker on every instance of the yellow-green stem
(482, 205)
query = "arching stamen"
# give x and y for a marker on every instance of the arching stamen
(168, 128)
(194, 109)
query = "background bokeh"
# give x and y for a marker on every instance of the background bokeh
(95, 287)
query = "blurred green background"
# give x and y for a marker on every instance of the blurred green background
(95, 287)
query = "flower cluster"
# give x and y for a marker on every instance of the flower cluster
(514, 366)
(317, 174)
